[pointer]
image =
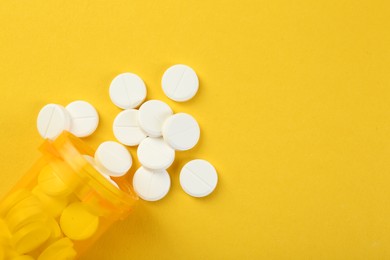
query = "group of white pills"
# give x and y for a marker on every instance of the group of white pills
(79, 117)
(154, 128)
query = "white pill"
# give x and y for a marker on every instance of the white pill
(113, 158)
(181, 131)
(127, 90)
(52, 121)
(151, 185)
(85, 118)
(155, 154)
(152, 115)
(198, 178)
(92, 162)
(180, 83)
(126, 128)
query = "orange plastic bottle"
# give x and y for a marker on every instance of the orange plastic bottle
(61, 206)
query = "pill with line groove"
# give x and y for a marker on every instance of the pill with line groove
(180, 83)
(151, 185)
(52, 121)
(127, 90)
(181, 131)
(126, 128)
(152, 115)
(198, 178)
(84, 118)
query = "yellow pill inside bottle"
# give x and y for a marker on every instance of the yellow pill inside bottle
(30, 237)
(12, 200)
(55, 229)
(55, 235)
(30, 201)
(67, 253)
(23, 257)
(51, 184)
(4, 233)
(77, 222)
(8, 252)
(61, 249)
(52, 205)
(17, 218)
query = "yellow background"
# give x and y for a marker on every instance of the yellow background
(294, 107)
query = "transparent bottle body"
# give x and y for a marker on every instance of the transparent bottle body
(39, 199)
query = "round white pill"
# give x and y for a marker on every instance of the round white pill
(151, 185)
(155, 154)
(52, 121)
(85, 118)
(180, 83)
(126, 128)
(181, 131)
(92, 162)
(113, 158)
(198, 178)
(152, 115)
(127, 90)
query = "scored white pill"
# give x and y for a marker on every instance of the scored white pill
(152, 115)
(181, 131)
(113, 158)
(198, 178)
(85, 118)
(52, 121)
(155, 153)
(92, 162)
(127, 90)
(151, 185)
(126, 128)
(180, 83)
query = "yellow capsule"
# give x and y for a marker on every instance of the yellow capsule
(30, 237)
(77, 222)
(52, 205)
(51, 184)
